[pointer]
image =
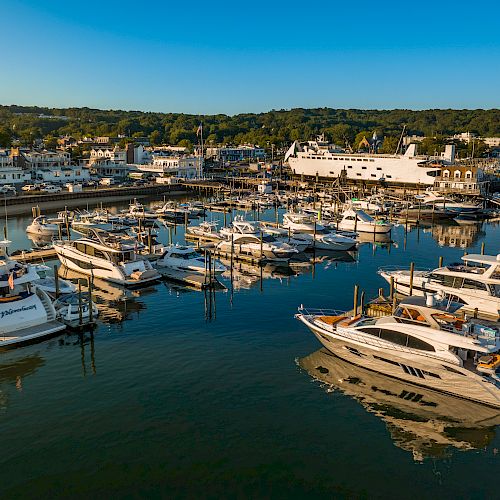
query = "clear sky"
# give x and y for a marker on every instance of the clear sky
(231, 57)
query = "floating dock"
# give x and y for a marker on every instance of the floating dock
(194, 280)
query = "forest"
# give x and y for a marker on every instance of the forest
(26, 124)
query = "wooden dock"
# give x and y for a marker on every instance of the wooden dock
(194, 280)
(35, 256)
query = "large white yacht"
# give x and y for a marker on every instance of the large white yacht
(253, 246)
(26, 311)
(107, 256)
(476, 284)
(319, 158)
(423, 344)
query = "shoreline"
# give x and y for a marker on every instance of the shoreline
(49, 205)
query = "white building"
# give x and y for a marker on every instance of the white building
(113, 154)
(186, 167)
(239, 153)
(9, 174)
(34, 160)
(69, 173)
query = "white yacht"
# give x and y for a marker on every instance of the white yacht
(361, 222)
(324, 239)
(206, 230)
(186, 259)
(26, 311)
(48, 283)
(318, 158)
(426, 345)
(107, 256)
(270, 234)
(76, 310)
(41, 226)
(475, 284)
(254, 246)
(138, 210)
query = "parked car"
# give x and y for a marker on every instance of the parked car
(7, 189)
(31, 187)
(49, 188)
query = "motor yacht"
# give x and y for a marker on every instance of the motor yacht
(107, 256)
(475, 283)
(240, 226)
(423, 342)
(186, 259)
(26, 311)
(206, 229)
(359, 221)
(41, 226)
(323, 238)
(252, 245)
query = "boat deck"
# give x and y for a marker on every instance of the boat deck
(31, 333)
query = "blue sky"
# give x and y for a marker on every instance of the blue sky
(232, 57)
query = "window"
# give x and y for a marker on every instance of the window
(354, 351)
(389, 176)
(473, 285)
(379, 168)
(415, 343)
(468, 174)
(386, 360)
(358, 174)
(363, 168)
(457, 174)
(446, 174)
(349, 166)
(373, 175)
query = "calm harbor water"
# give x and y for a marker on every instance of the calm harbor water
(177, 395)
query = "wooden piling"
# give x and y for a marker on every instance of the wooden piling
(412, 269)
(356, 290)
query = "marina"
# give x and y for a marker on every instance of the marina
(202, 329)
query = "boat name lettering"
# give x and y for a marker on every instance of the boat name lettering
(13, 311)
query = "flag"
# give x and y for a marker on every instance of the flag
(200, 129)
(11, 281)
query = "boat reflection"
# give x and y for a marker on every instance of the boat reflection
(244, 276)
(421, 421)
(16, 371)
(115, 303)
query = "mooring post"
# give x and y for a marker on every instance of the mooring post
(412, 269)
(356, 290)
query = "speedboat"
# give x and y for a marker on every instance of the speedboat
(206, 229)
(186, 258)
(76, 309)
(26, 311)
(476, 283)
(41, 226)
(107, 256)
(360, 221)
(423, 342)
(50, 284)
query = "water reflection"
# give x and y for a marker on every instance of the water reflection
(457, 235)
(423, 422)
(115, 303)
(16, 371)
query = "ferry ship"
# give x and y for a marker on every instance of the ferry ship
(321, 159)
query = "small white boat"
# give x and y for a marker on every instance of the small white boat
(42, 227)
(47, 283)
(186, 258)
(76, 309)
(205, 230)
(359, 221)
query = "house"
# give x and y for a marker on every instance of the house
(242, 152)
(460, 179)
(9, 173)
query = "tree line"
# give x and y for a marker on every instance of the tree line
(26, 124)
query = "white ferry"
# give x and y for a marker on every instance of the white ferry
(320, 159)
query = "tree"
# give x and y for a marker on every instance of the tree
(390, 144)
(5, 137)
(155, 138)
(185, 143)
(50, 142)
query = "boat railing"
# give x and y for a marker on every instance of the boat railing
(393, 268)
(321, 312)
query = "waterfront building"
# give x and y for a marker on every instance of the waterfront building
(461, 179)
(228, 154)
(186, 167)
(68, 173)
(9, 173)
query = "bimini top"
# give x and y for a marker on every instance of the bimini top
(482, 259)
